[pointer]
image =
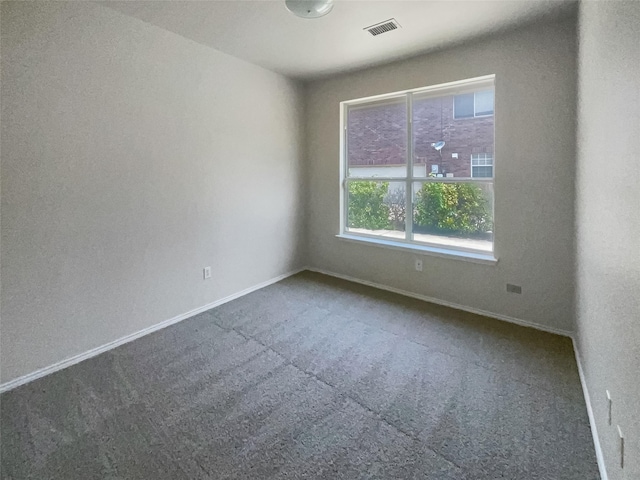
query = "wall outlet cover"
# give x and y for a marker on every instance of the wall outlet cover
(206, 272)
(511, 288)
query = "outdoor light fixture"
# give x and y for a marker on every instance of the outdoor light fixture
(309, 8)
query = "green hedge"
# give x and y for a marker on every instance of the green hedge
(366, 205)
(446, 208)
(456, 208)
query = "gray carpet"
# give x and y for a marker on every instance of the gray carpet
(312, 377)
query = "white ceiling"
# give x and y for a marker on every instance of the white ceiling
(265, 33)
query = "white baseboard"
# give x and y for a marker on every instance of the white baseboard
(128, 338)
(498, 316)
(592, 422)
(16, 382)
(592, 419)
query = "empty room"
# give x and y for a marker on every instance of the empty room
(320, 239)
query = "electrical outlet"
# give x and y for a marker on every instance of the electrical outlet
(511, 288)
(609, 406)
(206, 272)
(418, 265)
(621, 446)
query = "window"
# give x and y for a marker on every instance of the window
(463, 105)
(406, 176)
(483, 103)
(475, 104)
(481, 165)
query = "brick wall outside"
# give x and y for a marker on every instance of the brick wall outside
(377, 135)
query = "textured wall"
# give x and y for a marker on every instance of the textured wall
(131, 159)
(534, 176)
(608, 223)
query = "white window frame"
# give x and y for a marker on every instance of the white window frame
(451, 88)
(485, 158)
(474, 109)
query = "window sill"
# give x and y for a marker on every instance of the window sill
(474, 257)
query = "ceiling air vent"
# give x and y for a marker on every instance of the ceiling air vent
(383, 27)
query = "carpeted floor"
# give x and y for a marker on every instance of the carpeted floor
(312, 377)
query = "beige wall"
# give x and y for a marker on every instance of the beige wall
(534, 184)
(608, 223)
(131, 159)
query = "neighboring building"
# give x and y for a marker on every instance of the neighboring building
(377, 139)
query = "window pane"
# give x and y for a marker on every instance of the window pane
(376, 208)
(431, 119)
(481, 159)
(482, 171)
(463, 105)
(457, 214)
(484, 102)
(377, 139)
(442, 146)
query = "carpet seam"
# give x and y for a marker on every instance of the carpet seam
(449, 354)
(376, 415)
(429, 347)
(247, 377)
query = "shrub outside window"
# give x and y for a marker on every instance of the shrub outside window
(406, 174)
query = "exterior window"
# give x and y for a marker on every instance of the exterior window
(476, 104)
(406, 175)
(481, 165)
(463, 105)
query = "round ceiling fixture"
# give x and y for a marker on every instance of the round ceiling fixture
(309, 8)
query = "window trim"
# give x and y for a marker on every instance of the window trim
(450, 88)
(474, 256)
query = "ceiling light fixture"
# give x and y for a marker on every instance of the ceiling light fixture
(309, 8)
